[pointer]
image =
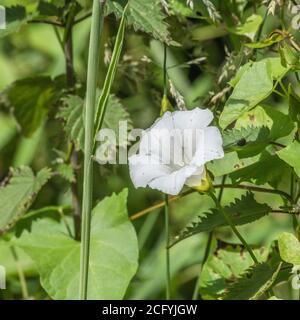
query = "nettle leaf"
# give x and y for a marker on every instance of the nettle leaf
(291, 155)
(66, 171)
(18, 195)
(249, 28)
(113, 253)
(268, 169)
(289, 248)
(72, 113)
(225, 264)
(255, 282)
(49, 9)
(16, 17)
(146, 16)
(247, 141)
(241, 211)
(255, 85)
(30, 99)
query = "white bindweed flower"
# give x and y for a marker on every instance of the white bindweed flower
(174, 150)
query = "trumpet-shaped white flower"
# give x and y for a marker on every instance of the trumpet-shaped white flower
(174, 150)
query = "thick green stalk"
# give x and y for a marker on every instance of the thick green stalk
(92, 76)
(168, 273)
(110, 76)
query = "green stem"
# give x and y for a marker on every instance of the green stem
(165, 70)
(234, 229)
(20, 274)
(92, 76)
(207, 249)
(168, 273)
(205, 257)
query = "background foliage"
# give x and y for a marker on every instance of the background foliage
(240, 58)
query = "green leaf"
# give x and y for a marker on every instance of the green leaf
(145, 16)
(8, 261)
(294, 105)
(18, 195)
(279, 124)
(249, 28)
(268, 169)
(247, 141)
(255, 85)
(30, 99)
(16, 17)
(66, 171)
(256, 281)
(225, 263)
(291, 155)
(49, 9)
(274, 38)
(290, 58)
(242, 211)
(113, 253)
(289, 248)
(229, 163)
(72, 113)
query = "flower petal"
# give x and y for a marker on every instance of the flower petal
(143, 169)
(174, 182)
(209, 146)
(196, 179)
(192, 119)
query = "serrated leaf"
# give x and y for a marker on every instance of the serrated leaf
(241, 211)
(254, 85)
(146, 16)
(30, 100)
(256, 281)
(291, 155)
(66, 171)
(289, 248)
(72, 113)
(113, 253)
(225, 264)
(17, 196)
(16, 17)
